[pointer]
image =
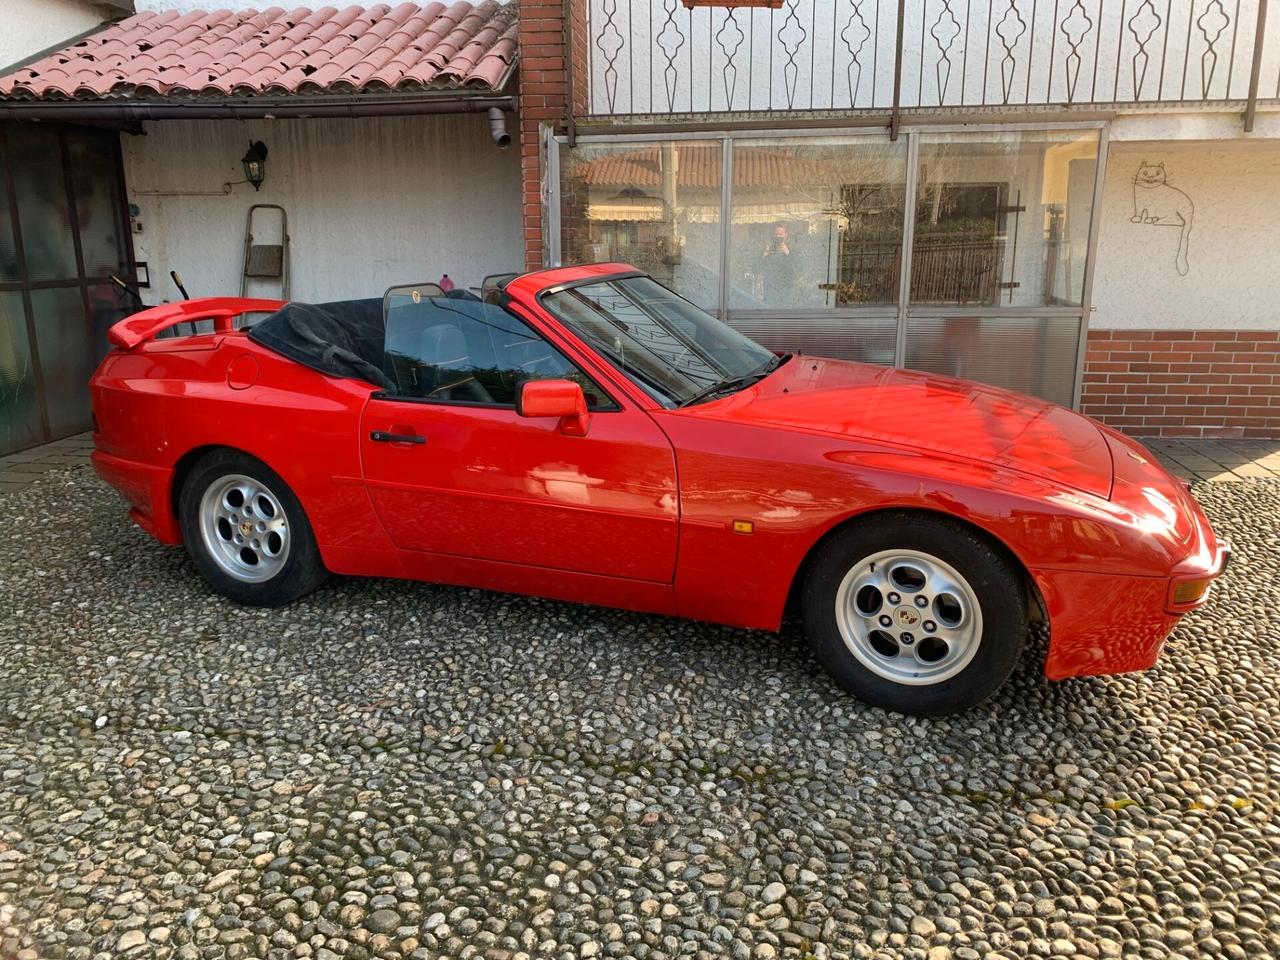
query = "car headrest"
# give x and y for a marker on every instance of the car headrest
(443, 345)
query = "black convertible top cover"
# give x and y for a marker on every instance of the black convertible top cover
(342, 339)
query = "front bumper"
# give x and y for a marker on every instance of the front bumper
(1190, 588)
(147, 490)
(1104, 623)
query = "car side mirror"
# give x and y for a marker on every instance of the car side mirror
(555, 398)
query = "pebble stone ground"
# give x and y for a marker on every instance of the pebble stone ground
(396, 770)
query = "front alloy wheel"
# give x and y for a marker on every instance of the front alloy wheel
(909, 617)
(915, 613)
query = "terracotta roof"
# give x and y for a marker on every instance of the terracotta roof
(277, 52)
(699, 165)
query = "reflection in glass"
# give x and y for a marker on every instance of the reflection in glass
(458, 349)
(43, 211)
(1034, 355)
(19, 405)
(870, 339)
(1002, 219)
(816, 222)
(65, 359)
(97, 198)
(668, 346)
(653, 205)
(9, 272)
(108, 305)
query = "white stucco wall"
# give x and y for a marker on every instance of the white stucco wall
(30, 26)
(371, 202)
(1233, 275)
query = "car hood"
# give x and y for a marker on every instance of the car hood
(928, 412)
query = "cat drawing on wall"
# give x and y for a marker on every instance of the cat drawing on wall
(1158, 204)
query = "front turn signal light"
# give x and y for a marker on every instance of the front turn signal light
(1186, 593)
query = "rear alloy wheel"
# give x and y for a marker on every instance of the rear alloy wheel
(915, 613)
(246, 531)
(244, 528)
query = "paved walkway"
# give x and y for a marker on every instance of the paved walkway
(1219, 461)
(18, 470)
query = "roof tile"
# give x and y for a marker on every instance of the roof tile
(277, 51)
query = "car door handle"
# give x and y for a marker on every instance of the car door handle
(383, 437)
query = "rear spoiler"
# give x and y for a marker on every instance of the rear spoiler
(140, 327)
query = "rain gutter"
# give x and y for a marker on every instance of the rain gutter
(251, 109)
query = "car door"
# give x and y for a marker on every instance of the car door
(453, 469)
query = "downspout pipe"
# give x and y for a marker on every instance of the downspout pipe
(104, 110)
(498, 128)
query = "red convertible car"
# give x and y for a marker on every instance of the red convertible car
(585, 434)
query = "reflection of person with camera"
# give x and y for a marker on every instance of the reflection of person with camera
(777, 269)
(778, 247)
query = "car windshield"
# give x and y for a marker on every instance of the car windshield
(673, 350)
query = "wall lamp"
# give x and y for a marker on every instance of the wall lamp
(255, 163)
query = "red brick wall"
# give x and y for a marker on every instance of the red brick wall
(545, 96)
(1184, 383)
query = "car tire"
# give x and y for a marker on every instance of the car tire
(915, 614)
(246, 532)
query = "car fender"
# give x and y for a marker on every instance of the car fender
(794, 488)
(165, 402)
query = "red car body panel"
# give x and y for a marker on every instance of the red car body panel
(644, 511)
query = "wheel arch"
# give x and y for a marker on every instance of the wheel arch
(186, 463)
(1035, 602)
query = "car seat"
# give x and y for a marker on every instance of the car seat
(446, 371)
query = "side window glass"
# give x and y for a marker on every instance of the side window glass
(456, 350)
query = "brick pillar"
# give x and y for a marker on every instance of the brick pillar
(545, 97)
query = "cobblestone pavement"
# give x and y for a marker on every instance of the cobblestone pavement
(399, 770)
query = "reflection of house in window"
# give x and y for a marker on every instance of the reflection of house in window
(959, 249)
(870, 217)
(656, 206)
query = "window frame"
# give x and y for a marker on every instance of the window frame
(730, 133)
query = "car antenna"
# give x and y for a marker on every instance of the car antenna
(177, 280)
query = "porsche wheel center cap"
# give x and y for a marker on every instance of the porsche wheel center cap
(907, 617)
(246, 528)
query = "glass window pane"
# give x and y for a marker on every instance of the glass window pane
(96, 188)
(1035, 355)
(1002, 219)
(653, 205)
(9, 272)
(669, 347)
(35, 157)
(465, 351)
(19, 405)
(66, 357)
(870, 339)
(816, 222)
(108, 305)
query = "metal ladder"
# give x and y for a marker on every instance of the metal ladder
(266, 261)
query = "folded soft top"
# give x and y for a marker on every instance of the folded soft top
(342, 339)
